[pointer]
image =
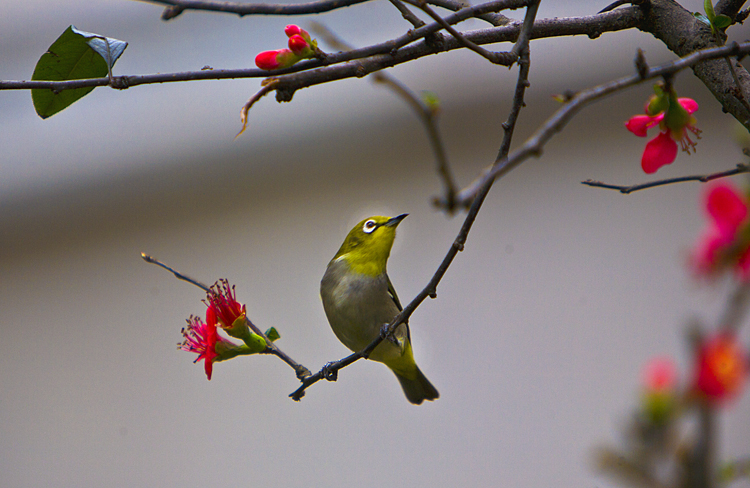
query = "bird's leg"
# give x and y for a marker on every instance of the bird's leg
(386, 335)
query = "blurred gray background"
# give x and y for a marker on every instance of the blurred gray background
(536, 339)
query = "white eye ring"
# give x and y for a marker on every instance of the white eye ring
(369, 226)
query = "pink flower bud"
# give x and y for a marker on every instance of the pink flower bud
(267, 60)
(299, 46)
(292, 30)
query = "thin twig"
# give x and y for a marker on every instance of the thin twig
(501, 58)
(430, 290)
(407, 14)
(177, 274)
(741, 168)
(269, 86)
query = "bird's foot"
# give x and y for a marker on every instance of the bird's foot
(329, 373)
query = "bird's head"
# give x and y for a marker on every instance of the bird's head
(368, 245)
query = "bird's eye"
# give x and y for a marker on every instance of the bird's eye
(369, 226)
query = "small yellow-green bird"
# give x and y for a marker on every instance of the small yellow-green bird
(359, 300)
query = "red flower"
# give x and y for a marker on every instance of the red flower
(723, 243)
(674, 117)
(201, 338)
(223, 307)
(722, 368)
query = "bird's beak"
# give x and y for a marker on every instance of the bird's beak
(395, 220)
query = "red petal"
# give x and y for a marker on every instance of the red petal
(659, 151)
(638, 124)
(727, 207)
(688, 104)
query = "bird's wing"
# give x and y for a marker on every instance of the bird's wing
(394, 297)
(392, 293)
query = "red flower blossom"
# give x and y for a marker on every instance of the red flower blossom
(674, 117)
(223, 307)
(201, 338)
(723, 244)
(721, 369)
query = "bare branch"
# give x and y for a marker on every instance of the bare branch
(177, 274)
(176, 7)
(425, 113)
(503, 59)
(741, 168)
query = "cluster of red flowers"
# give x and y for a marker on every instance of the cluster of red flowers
(720, 371)
(203, 338)
(301, 46)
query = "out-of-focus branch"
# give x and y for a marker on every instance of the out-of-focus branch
(176, 7)
(501, 58)
(425, 113)
(534, 145)
(741, 168)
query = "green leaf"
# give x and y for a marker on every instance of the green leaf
(722, 21)
(702, 18)
(75, 55)
(708, 7)
(272, 334)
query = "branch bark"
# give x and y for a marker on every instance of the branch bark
(683, 34)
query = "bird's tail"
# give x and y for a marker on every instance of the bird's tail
(417, 387)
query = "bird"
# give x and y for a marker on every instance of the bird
(359, 299)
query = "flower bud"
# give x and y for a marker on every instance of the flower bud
(295, 30)
(299, 46)
(280, 58)
(659, 390)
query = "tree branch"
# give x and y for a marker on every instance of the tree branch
(176, 7)
(592, 26)
(741, 168)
